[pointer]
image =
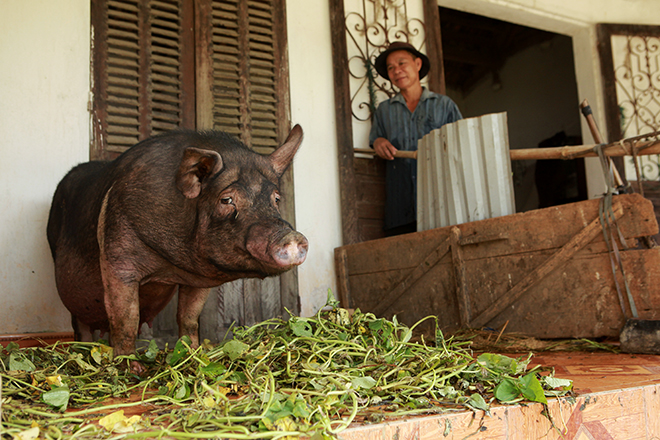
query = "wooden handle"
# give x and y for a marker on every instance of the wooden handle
(401, 154)
(595, 133)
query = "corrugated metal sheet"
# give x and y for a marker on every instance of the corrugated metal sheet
(464, 173)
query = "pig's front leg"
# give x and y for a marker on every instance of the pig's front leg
(122, 304)
(191, 303)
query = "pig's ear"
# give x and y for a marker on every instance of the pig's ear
(196, 166)
(281, 158)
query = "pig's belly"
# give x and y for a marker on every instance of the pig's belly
(81, 289)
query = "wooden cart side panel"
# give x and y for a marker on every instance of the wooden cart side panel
(530, 231)
(433, 294)
(576, 300)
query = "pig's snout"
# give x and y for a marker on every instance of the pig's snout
(292, 251)
(280, 251)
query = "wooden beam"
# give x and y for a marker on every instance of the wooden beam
(434, 46)
(348, 196)
(462, 297)
(573, 152)
(343, 287)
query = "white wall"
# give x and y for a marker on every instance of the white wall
(44, 84)
(316, 173)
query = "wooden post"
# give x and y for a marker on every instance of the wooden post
(434, 46)
(350, 233)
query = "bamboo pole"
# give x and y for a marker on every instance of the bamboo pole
(573, 152)
(569, 152)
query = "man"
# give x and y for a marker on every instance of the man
(399, 123)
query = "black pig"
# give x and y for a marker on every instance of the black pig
(187, 209)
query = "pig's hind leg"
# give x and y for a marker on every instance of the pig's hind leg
(81, 331)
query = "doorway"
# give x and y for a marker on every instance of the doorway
(494, 66)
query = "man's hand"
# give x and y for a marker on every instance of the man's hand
(384, 148)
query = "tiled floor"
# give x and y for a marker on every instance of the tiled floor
(618, 398)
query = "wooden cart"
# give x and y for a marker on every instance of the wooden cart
(547, 273)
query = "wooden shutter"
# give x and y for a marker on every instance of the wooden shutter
(243, 86)
(143, 70)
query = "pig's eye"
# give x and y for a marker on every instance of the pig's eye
(226, 200)
(277, 198)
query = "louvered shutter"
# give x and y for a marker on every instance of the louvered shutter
(143, 71)
(245, 91)
(162, 64)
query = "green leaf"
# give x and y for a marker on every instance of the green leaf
(78, 359)
(331, 301)
(101, 353)
(235, 349)
(553, 382)
(498, 363)
(376, 324)
(300, 327)
(507, 391)
(57, 397)
(477, 401)
(182, 392)
(301, 409)
(152, 351)
(366, 382)
(180, 350)
(531, 388)
(213, 369)
(19, 362)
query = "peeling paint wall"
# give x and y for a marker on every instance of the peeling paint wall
(44, 84)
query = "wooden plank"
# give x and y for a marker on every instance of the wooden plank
(522, 230)
(413, 277)
(343, 289)
(289, 294)
(559, 258)
(436, 76)
(188, 117)
(210, 323)
(231, 308)
(252, 291)
(576, 300)
(459, 276)
(144, 70)
(204, 64)
(271, 301)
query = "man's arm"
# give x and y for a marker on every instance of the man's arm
(383, 147)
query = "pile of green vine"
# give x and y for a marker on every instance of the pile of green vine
(303, 377)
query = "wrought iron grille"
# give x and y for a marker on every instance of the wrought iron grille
(371, 25)
(637, 77)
